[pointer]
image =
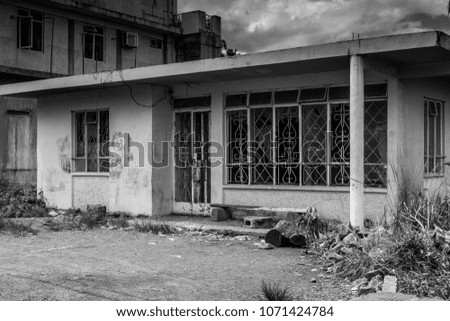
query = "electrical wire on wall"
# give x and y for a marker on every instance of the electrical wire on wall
(132, 96)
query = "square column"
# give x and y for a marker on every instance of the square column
(356, 141)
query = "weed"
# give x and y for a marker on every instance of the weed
(275, 292)
(155, 228)
(120, 222)
(355, 265)
(54, 225)
(16, 228)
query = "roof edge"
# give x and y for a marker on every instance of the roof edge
(315, 52)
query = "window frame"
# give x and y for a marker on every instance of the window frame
(99, 158)
(32, 21)
(94, 33)
(436, 171)
(276, 182)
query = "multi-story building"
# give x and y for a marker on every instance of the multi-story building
(52, 38)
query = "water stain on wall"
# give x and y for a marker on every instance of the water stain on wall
(64, 154)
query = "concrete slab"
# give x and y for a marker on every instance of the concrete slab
(205, 224)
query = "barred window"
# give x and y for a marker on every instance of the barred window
(306, 143)
(237, 147)
(91, 150)
(261, 158)
(434, 137)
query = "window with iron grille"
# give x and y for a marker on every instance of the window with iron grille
(94, 42)
(30, 30)
(91, 141)
(434, 125)
(302, 137)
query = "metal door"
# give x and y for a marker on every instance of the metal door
(192, 163)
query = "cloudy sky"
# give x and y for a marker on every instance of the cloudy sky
(260, 25)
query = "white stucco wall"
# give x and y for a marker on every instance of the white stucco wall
(332, 202)
(143, 190)
(414, 92)
(123, 189)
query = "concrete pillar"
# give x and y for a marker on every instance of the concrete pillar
(217, 147)
(356, 141)
(395, 142)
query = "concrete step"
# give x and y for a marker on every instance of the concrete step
(258, 222)
(277, 214)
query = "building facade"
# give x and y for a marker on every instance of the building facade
(338, 126)
(55, 38)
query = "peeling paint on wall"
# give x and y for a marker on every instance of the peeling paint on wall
(116, 151)
(64, 154)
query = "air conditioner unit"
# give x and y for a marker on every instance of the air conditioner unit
(130, 40)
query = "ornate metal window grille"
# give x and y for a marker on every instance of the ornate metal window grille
(311, 146)
(288, 146)
(261, 158)
(340, 144)
(375, 143)
(91, 132)
(314, 142)
(237, 147)
(434, 125)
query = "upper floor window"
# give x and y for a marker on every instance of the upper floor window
(91, 141)
(94, 42)
(30, 29)
(434, 137)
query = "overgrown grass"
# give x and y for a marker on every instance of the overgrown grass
(272, 291)
(18, 229)
(419, 249)
(155, 228)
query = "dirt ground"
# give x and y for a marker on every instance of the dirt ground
(119, 265)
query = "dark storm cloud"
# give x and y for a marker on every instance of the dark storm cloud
(258, 25)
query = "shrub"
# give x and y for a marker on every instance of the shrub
(17, 201)
(422, 264)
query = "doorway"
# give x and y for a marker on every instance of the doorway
(192, 163)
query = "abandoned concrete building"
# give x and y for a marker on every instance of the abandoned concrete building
(42, 39)
(333, 126)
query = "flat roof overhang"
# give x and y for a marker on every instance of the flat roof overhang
(425, 54)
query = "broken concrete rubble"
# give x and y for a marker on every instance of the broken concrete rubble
(390, 284)
(351, 239)
(265, 246)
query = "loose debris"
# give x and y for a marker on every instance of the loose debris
(415, 261)
(301, 231)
